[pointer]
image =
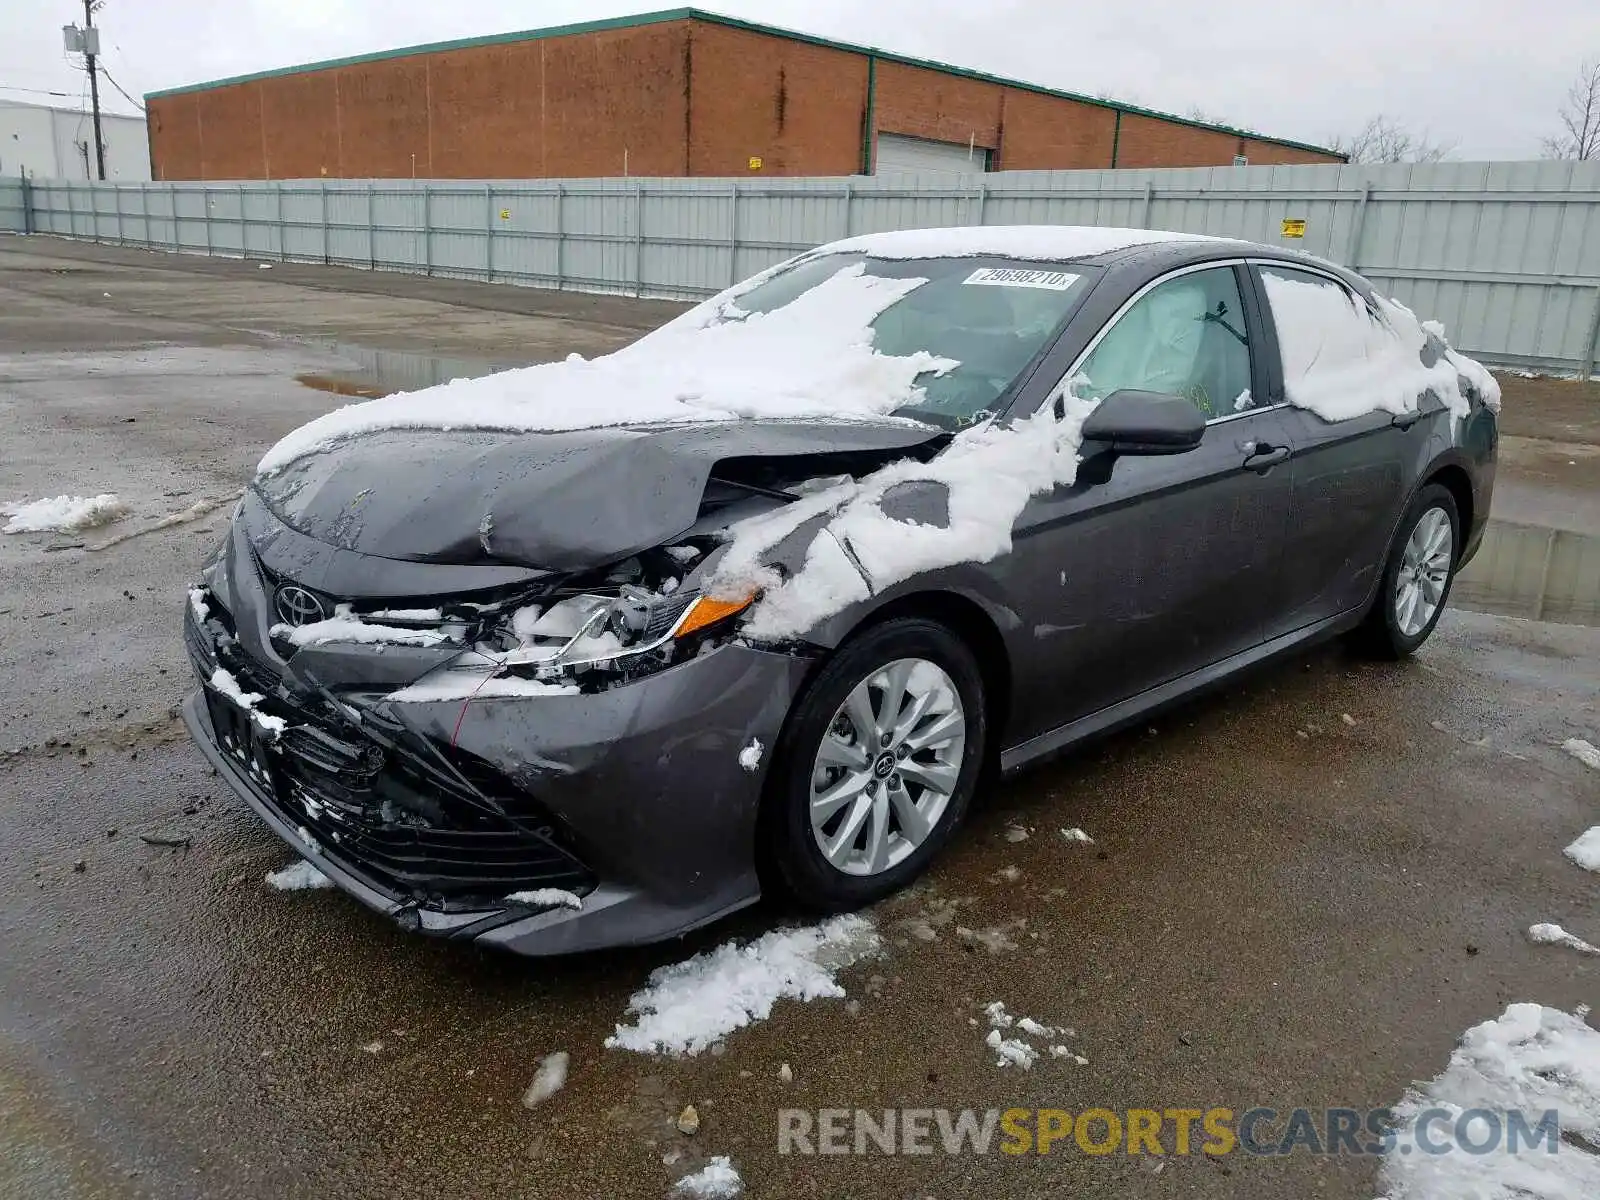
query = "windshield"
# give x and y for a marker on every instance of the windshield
(989, 315)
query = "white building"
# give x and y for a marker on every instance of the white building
(58, 143)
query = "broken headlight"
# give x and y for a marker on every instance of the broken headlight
(627, 630)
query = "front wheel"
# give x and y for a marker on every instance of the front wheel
(1416, 578)
(877, 764)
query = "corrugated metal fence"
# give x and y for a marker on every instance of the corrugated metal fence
(1506, 254)
(13, 207)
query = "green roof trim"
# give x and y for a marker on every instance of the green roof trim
(664, 16)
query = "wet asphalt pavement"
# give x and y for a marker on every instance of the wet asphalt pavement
(1301, 891)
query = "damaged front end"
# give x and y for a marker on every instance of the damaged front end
(545, 759)
(427, 830)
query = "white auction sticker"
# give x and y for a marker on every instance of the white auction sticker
(1054, 281)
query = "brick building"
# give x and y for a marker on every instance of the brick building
(664, 94)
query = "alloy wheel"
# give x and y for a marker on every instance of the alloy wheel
(1424, 572)
(887, 766)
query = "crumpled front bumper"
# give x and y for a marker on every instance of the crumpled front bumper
(641, 784)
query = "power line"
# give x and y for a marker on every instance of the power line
(120, 88)
(11, 87)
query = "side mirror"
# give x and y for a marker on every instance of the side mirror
(1134, 422)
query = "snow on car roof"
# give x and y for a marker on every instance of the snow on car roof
(1039, 242)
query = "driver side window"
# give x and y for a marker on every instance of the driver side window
(1185, 337)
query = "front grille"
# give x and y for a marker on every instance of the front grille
(387, 806)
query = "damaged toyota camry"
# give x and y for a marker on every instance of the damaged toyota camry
(591, 652)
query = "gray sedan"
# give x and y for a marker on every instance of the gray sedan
(597, 653)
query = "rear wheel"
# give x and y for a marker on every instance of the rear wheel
(1416, 578)
(877, 764)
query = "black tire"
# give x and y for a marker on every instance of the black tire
(1380, 634)
(790, 844)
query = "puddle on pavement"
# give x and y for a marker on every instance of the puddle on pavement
(383, 372)
(1531, 571)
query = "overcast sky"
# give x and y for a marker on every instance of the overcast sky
(1484, 75)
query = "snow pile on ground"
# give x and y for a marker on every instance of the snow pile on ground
(223, 681)
(64, 514)
(1008, 1036)
(1341, 361)
(811, 357)
(688, 1007)
(549, 1079)
(987, 474)
(717, 1180)
(1584, 752)
(1586, 850)
(1530, 1059)
(1549, 934)
(298, 877)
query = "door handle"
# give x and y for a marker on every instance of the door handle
(1264, 457)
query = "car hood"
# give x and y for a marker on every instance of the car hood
(555, 501)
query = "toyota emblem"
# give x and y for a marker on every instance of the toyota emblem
(296, 606)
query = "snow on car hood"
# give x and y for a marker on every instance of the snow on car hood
(811, 358)
(554, 501)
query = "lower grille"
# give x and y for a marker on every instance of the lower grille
(386, 809)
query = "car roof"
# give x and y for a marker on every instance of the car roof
(1152, 250)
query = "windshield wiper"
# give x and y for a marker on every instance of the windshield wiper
(755, 489)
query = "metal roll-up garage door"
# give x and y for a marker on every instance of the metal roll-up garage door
(898, 154)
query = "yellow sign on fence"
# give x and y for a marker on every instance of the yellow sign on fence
(1294, 227)
(505, 214)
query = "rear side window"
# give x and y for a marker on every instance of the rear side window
(1335, 349)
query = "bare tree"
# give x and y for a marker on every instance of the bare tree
(1382, 140)
(1580, 117)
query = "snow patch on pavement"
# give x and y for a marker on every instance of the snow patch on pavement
(717, 1180)
(298, 877)
(1530, 1059)
(63, 514)
(1585, 752)
(1549, 934)
(549, 1079)
(1586, 850)
(687, 1007)
(1016, 1051)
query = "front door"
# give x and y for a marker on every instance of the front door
(1164, 566)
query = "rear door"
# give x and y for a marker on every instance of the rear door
(1349, 472)
(1162, 566)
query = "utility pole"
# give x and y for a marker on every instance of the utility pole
(91, 43)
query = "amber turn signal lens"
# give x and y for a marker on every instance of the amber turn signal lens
(706, 611)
